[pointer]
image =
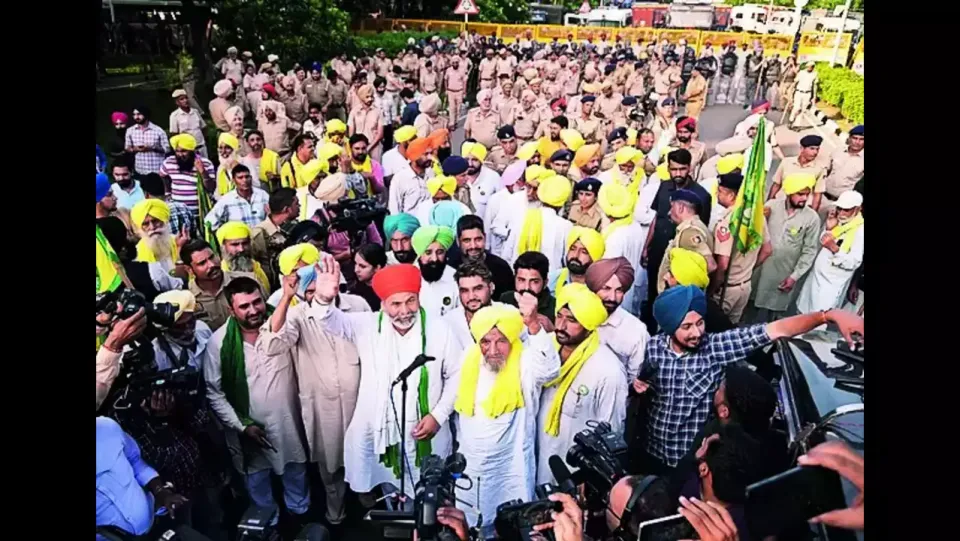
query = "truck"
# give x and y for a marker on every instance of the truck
(601, 16)
(762, 19)
(690, 14)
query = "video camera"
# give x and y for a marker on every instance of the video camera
(515, 518)
(601, 455)
(353, 216)
(130, 301)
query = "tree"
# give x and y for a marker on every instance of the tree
(503, 11)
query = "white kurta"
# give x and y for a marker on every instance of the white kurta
(383, 355)
(501, 452)
(628, 242)
(494, 207)
(553, 237)
(717, 211)
(486, 185)
(627, 337)
(598, 393)
(826, 286)
(440, 297)
(509, 222)
(328, 376)
(273, 403)
(456, 319)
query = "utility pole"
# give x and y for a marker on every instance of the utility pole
(843, 25)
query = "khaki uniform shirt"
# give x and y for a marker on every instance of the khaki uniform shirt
(276, 134)
(455, 80)
(590, 128)
(189, 122)
(338, 93)
(488, 69)
(317, 91)
(525, 123)
(506, 65)
(426, 125)
(792, 165)
(483, 127)
(428, 81)
(366, 120)
(844, 171)
(741, 265)
(608, 106)
(498, 160)
(383, 66)
(692, 235)
(591, 218)
(215, 308)
(551, 90)
(571, 83)
(296, 105)
(806, 80)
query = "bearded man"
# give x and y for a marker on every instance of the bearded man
(622, 332)
(234, 239)
(482, 181)
(623, 235)
(408, 187)
(181, 171)
(398, 230)
(388, 340)
(584, 247)
(475, 283)
(543, 229)
(591, 386)
(157, 244)
(501, 380)
(438, 293)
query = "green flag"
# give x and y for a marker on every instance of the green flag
(746, 222)
(206, 233)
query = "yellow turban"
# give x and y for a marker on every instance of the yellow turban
(233, 231)
(229, 140)
(571, 139)
(335, 125)
(184, 141)
(328, 151)
(555, 190)
(477, 150)
(585, 154)
(446, 183)
(527, 150)
(626, 154)
(614, 200)
(689, 268)
(585, 305)
(591, 240)
(794, 182)
(183, 298)
(663, 171)
(149, 207)
(311, 169)
(289, 257)
(532, 174)
(507, 394)
(728, 163)
(404, 134)
(591, 88)
(632, 136)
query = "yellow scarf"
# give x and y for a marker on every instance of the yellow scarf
(257, 271)
(145, 254)
(561, 280)
(846, 232)
(616, 224)
(224, 183)
(531, 232)
(269, 162)
(506, 395)
(568, 372)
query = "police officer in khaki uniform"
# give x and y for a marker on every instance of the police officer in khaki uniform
(736, 266)
(692, 233)
(584, 211)
(589, 126)
(488, 71)
(337, 106)
(806, 162)
(505, 153)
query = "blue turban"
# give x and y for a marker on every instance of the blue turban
(446, 213)
(403, 222)
(857, 130)
(317, 66)
(675, 303)
(103, 186)
(455, 165)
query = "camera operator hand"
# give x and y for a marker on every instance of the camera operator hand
(123, 331)
(454, 519)
(568, 524)
(258, 435)
(711, 521)
(160, 404)
(842, 459)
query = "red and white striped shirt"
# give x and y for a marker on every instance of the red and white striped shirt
(183, 185)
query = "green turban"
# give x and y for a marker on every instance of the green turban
(428, 234)
(403, 222)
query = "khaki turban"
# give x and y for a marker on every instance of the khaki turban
(600, 272)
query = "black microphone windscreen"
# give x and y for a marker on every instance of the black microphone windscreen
(559, 469)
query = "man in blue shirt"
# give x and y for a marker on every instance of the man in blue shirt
(127, 190)
(122, 476)
(411, 109)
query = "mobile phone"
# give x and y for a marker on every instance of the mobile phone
(791, 498)
(649, 529)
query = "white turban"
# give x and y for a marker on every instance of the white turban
(223, 88)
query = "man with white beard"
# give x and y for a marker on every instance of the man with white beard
(498, 399)
(157, 244)
(438, 292)
(388, 341)
(234, 239)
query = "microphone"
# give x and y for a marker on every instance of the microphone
(417, 363)
(562, 474)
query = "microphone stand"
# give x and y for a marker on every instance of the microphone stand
(403, 439)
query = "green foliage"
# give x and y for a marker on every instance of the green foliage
(295, 30)
(841, 87)
(503, 11)
(392, 42)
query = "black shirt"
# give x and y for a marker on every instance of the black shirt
(665, 229)
(546, 304)
(503, 279)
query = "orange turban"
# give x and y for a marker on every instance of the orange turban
(399, 278)
(418, 147)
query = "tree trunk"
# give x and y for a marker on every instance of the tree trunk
(198, 18)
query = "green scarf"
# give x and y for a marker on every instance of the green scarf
(391, 457)
(233, 371)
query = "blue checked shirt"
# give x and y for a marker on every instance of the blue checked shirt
(233, 208)
(684, 386)
(181, 217)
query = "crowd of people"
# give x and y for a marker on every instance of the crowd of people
(576, 251)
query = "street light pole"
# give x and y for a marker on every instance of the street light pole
(843, 25)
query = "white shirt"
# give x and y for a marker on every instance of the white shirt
(440, 297)
(407, 190)
(501, 451)
(598, 393)
(627, 337)
(194, 356)
(827, 285)
(393, 162)
(553, 238)
(482, 189)
(316, 128)
(494, 206)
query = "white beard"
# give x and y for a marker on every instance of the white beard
(159, 243)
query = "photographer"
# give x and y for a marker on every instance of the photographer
(185, 342)
(117, 333)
